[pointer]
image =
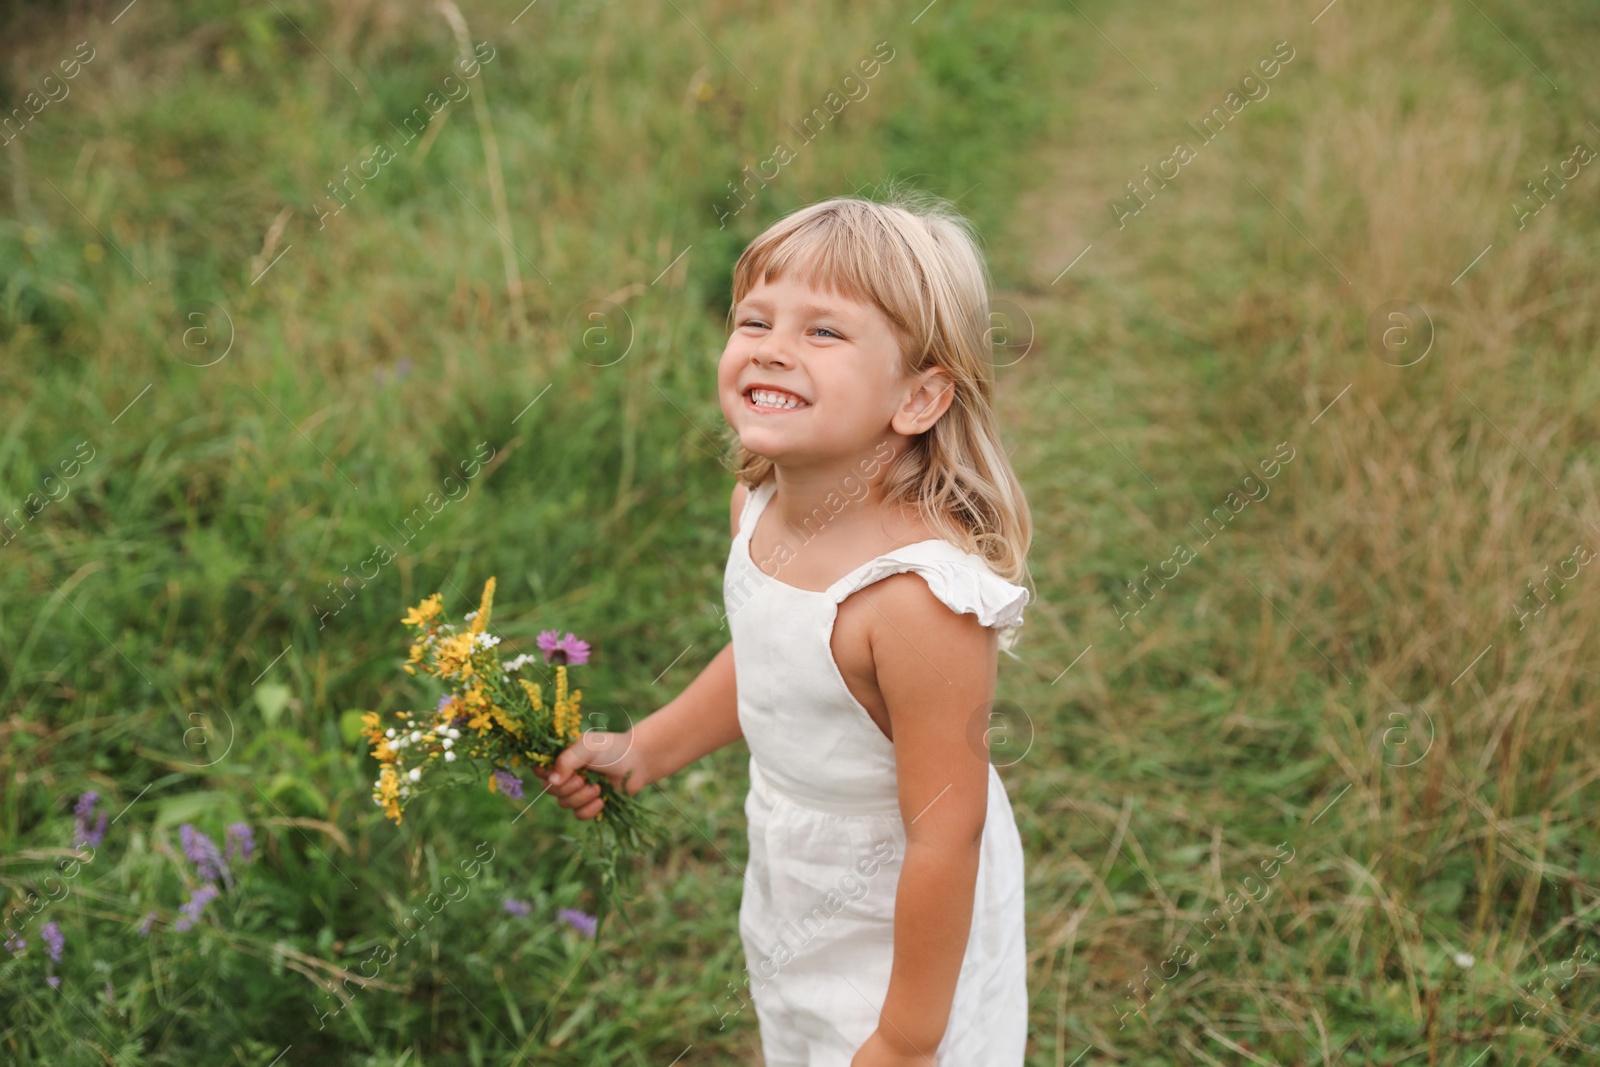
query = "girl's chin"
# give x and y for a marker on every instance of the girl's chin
(766, 445)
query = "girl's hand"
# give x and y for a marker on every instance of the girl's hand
(879, 1051)
(610, 753)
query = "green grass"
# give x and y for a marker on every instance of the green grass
(163, 636)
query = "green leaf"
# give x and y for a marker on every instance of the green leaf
(350, 726)
(189, 807)
(296, 796)
(272, 698)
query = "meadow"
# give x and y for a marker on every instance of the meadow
(1319, 787)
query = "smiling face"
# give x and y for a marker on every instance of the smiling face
(810, 376)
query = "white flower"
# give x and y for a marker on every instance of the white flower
(446, 743)
(469, 616)
(452, 733)
(416, 735)
(1465, 959)
(449, 756)
(415, 774)
(486, 640)
(389, 733)
(517, 662)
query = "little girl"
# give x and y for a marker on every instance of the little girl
(877, 531)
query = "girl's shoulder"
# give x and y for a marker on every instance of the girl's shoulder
(963, 581)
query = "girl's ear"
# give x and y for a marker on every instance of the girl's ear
(928, 400)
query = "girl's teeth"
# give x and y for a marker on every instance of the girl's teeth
(774, 400)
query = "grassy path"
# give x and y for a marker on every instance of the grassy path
(1302, 687)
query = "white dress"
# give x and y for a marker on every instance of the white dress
(826, 835)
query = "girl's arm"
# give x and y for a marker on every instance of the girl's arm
(700, 720)
(703, 718)
(936, 671)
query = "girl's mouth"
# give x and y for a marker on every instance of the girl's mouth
(772, 402)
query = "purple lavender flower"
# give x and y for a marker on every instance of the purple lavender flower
(241, 842)
(197, 904)
(444, 702)
(15, 944)
(53, 940)
(81, 834)
(146, 923)
(520, 908)
(509, 784)
(55, 981)
(580, 921)
(202, 852)
(559, 650)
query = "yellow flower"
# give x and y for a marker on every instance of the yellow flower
(482, 618)
(454, 656)
(388, 793)
(565, 718)
(478, 706)
(424, 611)
(504, 719)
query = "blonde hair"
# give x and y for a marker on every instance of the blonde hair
(918, 261)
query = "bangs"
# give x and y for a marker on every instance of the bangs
(839, 248)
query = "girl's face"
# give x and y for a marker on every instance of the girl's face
(836, 361)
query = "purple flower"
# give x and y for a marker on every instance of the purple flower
(146, 923)
(55, 981)
(509, 784)
(53, 940)
(241, 841)
(520, 908)
(444, 702)
(81, 834)
(559, 650)
(15, 944)
(197, 904)
(580, 921)
(202, 852)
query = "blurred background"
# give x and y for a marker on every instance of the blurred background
(1295, 309)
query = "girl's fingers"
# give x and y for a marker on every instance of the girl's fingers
(577, 798)
(569, 787)
(591, 809)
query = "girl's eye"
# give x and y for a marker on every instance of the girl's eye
(829, 332)
(752, 322)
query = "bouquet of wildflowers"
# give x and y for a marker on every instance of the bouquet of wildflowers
(490, 722)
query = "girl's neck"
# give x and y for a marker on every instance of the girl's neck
(845, 503)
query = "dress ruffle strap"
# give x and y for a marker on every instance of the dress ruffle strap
(961, 580)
